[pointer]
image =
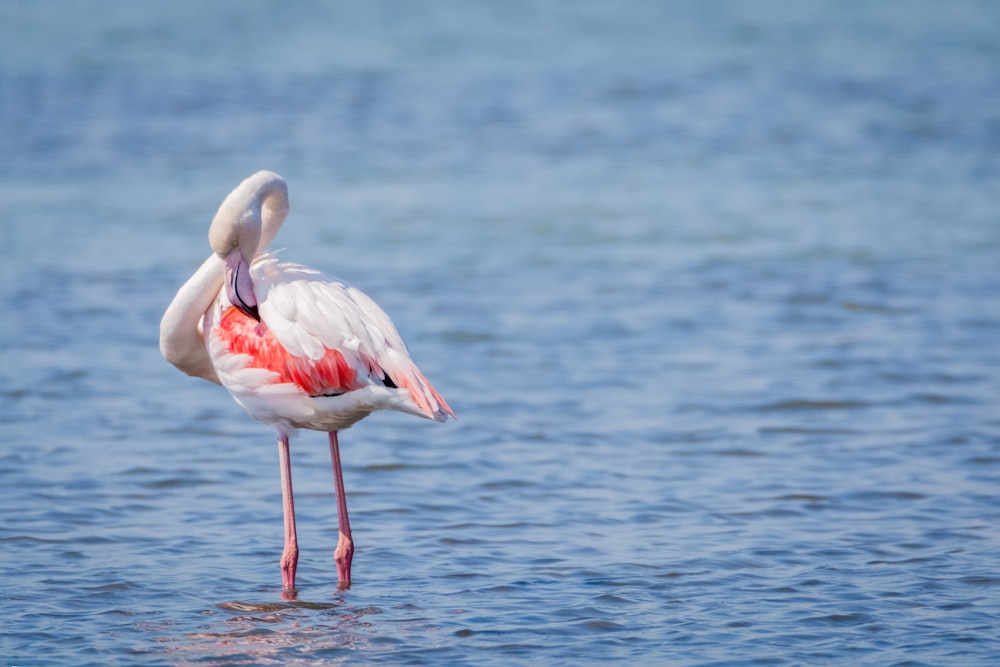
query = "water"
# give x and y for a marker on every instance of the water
(714, 288)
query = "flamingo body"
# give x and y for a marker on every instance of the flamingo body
(322, 356)
(294, 346)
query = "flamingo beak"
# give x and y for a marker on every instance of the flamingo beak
(239, 287)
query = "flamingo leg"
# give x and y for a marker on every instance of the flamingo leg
(290, 555)
(345, 546)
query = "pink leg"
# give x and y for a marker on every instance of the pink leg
(345, 547)
(290, 555)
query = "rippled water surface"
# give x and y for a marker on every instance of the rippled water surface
(714, 288)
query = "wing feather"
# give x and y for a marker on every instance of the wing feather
(311, 312)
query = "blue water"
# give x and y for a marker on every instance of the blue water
(714, 288)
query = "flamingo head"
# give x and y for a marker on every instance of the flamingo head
(235, 240)
(246, 222)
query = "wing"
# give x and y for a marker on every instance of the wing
(317, 317)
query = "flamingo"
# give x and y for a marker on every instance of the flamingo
(294, 346)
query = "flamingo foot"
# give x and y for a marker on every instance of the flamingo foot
(343, 556)
(289, 563)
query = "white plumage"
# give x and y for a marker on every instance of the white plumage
(294, 346)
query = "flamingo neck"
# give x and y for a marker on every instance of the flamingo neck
(182, 341)
(257, 207)
(256, 210)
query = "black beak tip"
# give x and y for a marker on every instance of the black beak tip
(249, 311)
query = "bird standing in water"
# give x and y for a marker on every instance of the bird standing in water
(294, 346)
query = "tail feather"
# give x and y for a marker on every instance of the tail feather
(405, 375)
(426, 396)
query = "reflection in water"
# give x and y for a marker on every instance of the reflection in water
(262, 633)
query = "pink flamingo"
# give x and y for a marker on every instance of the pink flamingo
(295, 347)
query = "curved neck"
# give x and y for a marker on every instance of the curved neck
(274, 210)
(181, 338)
(261, 199)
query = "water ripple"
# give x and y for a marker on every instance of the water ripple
(714, 293)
